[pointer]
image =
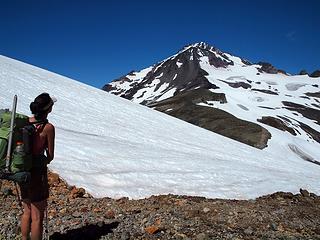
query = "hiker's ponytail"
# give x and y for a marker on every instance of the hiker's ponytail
(34, 107)
(36, 111)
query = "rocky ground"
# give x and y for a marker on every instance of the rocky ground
(74, 214)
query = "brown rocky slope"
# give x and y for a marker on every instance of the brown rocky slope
(185, 106)
(74, 214)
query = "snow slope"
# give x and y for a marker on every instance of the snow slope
(252, 105)
(113, 147)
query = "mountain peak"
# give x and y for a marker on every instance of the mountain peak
(200, 69)
(200, 45)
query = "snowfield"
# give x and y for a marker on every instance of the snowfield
(114, 148)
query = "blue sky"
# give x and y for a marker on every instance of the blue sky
(97, 41)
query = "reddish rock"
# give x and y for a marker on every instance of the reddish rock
(110, 214)
(77, 192)
(84, 209)
(96, 210)
(152, 229)
(54, 179)
(158, 222)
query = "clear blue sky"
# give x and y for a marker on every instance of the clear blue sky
(97, 41)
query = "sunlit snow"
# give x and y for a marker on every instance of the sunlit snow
(113, 147)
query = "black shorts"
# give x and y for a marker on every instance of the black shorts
(37, 189)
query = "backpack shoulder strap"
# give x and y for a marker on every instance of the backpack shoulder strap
(44, 122)
(33, 125)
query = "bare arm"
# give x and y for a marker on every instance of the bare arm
(50, 139)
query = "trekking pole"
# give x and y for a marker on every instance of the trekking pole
(46, 228)
(46, 217)
(47, 224)
(18, 196)
(13, 115)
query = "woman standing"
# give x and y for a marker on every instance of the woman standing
(34, 195)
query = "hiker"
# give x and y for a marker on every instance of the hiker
(35, 194)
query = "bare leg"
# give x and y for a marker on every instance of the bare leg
(26, 220)
(37, 214)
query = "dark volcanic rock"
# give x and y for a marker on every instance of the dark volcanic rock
(218, 62)
(246, 62)
(185, 106)
(195, 96)
(264, 91)
(269, 68)
(109, 87)
(308, 112)
(311, 113)
(315, 74)
(181, 72)
(277, 123)
(315, 94)
(303, 72)
(312, 132)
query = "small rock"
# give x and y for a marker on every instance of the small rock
(180, 235)
(180, 202)
(75, 223)
(87, 195)
(248, 231)
(122, 200)
(84, 209)
(304, 193)
(202, 236)
(96, 210)
(125, 236)
(152, 229)
(110, 214)
(158, 222)
(194, 213)
(274, 226)
(206, 210)
(58, 222)
(313, 195)
(76, 214)
(77, 192)
(62, 228)
(136, 211)
(63, 211)
(100, 224)
(7, 192)
(54, 179)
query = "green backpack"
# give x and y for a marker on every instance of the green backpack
(21, 153)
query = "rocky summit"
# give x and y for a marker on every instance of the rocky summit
(249, 102)
(74, 214)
